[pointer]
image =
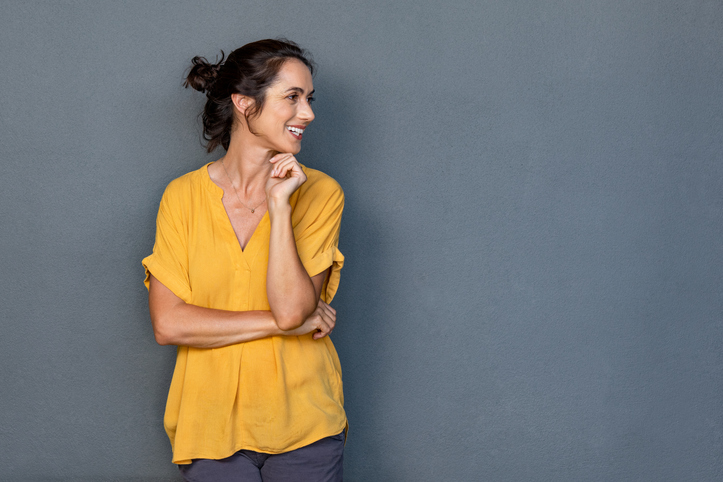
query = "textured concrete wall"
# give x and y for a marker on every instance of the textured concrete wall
(533, 230)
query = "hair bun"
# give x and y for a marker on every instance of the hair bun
(202, 74)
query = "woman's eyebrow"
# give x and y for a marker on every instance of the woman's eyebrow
(299, 89)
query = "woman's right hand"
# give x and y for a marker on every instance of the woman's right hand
(321, 321)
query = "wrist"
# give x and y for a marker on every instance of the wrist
(278, 207)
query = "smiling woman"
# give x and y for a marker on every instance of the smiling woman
(242, 271)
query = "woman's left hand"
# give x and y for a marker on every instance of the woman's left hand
(285, 179)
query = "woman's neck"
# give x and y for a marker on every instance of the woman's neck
(248, 165)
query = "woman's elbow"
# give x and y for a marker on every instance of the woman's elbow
(162, 339)
(162, 332)
(292, 315)
(289, 322)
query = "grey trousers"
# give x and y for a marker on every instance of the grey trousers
(322, 461)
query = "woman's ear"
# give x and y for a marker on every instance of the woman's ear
(241, 102)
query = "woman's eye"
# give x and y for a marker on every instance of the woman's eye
(293, 96)
(310, 100)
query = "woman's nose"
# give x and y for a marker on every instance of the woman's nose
(305, 112)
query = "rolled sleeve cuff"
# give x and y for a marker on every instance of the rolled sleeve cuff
(330, 257)
(166, 277)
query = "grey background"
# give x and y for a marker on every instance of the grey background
(533, 225)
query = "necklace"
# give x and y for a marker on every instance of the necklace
(236, 192)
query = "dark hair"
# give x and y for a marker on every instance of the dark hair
(248, 71)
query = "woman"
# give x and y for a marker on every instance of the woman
(244, 264)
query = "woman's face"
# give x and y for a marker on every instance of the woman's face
(287, 109)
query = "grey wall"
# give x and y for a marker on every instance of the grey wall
(533, 287)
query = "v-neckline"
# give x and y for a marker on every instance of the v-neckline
(220, 192)
(244, 249)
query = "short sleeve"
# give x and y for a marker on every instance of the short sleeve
(317, 234)
(169, 260)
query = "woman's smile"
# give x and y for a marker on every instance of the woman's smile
(296, 131)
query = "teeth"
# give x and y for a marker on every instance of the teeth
(295, 130)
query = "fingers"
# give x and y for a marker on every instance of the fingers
(326, 326)
(283, 167)
(279, 161)
(279, 156)
(327, 316)
(283, 163)
(328, 313)
(327, 309)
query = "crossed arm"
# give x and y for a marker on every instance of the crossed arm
(178, 323)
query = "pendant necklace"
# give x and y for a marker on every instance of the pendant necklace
(236, 192)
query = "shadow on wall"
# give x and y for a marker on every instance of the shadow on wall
(340, 148)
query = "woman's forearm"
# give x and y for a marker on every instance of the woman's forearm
(290, 291)
(190, 325)
(178, 323)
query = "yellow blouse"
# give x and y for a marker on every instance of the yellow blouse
(270, 395)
